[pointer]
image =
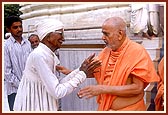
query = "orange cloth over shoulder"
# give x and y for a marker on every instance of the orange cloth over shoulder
(158, 99)
(130, 58)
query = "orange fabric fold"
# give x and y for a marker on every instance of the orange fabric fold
(158, 99)
(139, 106)
(130, 58)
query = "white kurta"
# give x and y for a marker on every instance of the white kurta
(40, 89)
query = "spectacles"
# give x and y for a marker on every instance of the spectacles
(60, 32)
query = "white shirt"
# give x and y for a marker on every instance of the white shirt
(15, 56)
(40, 88)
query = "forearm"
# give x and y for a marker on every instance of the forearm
(59, 89)
(9, 74)
(122, 91)
(69, 76)
(11, 78)
(66, 87)
(75, 79)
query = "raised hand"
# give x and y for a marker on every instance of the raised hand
(89, 65)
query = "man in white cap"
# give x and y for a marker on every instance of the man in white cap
(40, 87)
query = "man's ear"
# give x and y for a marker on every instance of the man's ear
(8, 30)
(120, 35)
(47, 37)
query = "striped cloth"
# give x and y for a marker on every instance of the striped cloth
(15, 55)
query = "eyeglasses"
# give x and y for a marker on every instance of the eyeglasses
(60, 32)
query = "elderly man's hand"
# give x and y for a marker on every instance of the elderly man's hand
(89, 65)
(63, 69)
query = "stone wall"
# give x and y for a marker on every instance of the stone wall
(75, 17)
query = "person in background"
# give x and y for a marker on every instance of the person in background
(141, 23)
(16, 51)
(159, 99)
(125, 71)
(34, 40)
(40, 87)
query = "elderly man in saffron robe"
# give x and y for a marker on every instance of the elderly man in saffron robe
(125, 71)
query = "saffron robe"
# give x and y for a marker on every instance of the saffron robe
(158, 99)
(130, 58)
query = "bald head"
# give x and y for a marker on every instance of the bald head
(114, 32)
(116, 22)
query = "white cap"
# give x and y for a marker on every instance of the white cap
(43, 27)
